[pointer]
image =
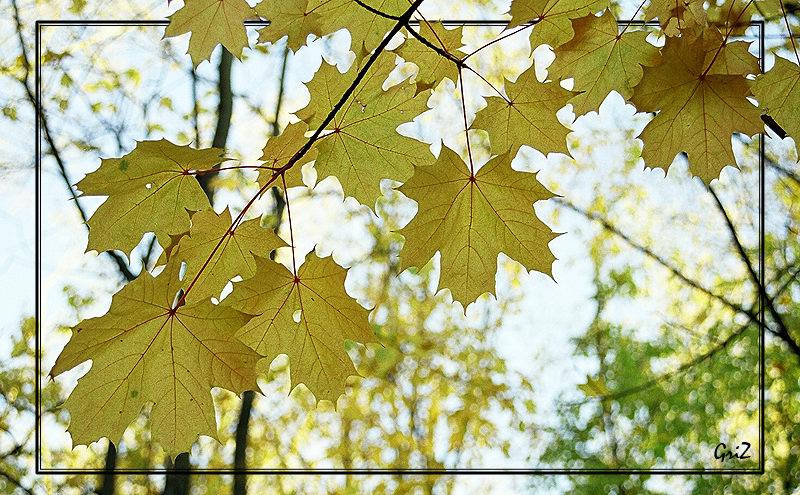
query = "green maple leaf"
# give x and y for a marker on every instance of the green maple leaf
(314, 339)
(778, 94)
(233, 257)
(144, 352)
(553, 18)
(600, 60)
(470, 220)
(149, 190)
(280, 149)
(291, 18)
(211, 22)
(362, 145)
(698, 111)
(528, 116)
(432, 67)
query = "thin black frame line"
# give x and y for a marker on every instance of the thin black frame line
(762, 55)
(37, 249)
(460, 471)
(514, 471)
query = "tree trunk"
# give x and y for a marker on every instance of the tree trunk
(107, 481)
(179, 483)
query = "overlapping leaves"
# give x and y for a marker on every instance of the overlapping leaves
(166, 343)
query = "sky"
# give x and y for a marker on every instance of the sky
(552, 310)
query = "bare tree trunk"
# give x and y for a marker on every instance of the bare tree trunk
(179, 483)
(224, 112)
(243, 424)
(107, 481)
(240, 454)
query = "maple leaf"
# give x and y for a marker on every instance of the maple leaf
(291, 18)
(778, 95)
(732, 59)
(280, 149)
(363, 145)
(732, 16)
(528, 116)
(211, 22)
(149, 190)
(553, 18)
(675, 16)
(365, 27)
(471, 219)
(600, 60)
(144, 352)
(315, 338)
(233, 257)
(698, 111)
(432, 67)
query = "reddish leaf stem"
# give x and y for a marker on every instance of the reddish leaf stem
(279, 172)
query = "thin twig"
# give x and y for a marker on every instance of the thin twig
(661, 261)
(782, 330)
(307, 146)
(122, 266)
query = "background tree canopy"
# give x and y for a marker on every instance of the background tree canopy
(355, 237)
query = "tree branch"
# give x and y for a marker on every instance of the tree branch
(441, 51)
(782, 330)
(224, 114)
(377, 12)
(307, 146)
(670, 374)
(122, 266)
(658, 259)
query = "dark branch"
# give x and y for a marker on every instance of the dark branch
(773, 126)
(670, 374)
(661, 261)
(224, 113)
(441, 51)
(377, 12)
(118, 259)
(782, 330)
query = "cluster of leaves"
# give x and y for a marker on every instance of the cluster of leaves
(165, 342)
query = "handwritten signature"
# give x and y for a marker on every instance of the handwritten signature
(722, 452)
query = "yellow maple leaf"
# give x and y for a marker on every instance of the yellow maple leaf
(211, 22)
(149, 190)
(778, 95)
(600, 60)
(308, 318)
(144, 351)
(432, 67)
(294, 19)
(367, 29)
(280, 149)
(553, 18)
(698, 111)
(528, 116)
(362, 145)
(675, 16)
(233, 257)
(471, 219)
